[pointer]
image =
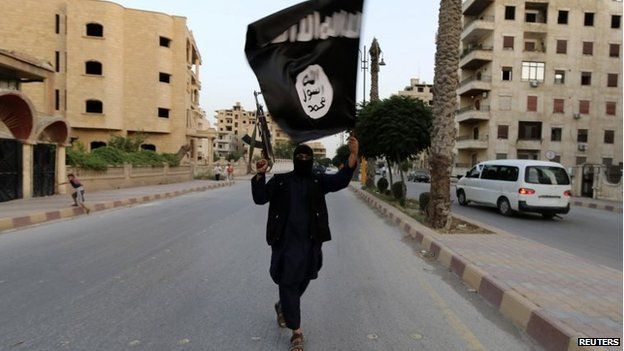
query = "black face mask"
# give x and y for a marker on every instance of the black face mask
(303, 167)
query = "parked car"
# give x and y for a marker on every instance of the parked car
(318, 169)
(517, 185)
(421, 177)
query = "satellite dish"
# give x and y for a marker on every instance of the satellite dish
(550, 155)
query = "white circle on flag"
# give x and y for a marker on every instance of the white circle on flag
(315, 91)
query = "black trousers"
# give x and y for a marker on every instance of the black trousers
(290, 302)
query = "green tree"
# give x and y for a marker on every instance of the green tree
(342, 156)
(234, 156)
(397, 128)
(284, 149)
(325, 162)
(128, 143)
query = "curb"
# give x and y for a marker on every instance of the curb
(9, 223)
(547, 332)
(597, 206)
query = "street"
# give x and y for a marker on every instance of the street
(191, 273)
(569, 234)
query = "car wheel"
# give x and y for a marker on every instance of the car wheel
(461, 198)
(548, 215)
(504, 207)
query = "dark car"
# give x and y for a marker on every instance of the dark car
(421, 177)
(318, 169)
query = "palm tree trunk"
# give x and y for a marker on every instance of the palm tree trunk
(371, 167)
(389, 171)
(444, 107)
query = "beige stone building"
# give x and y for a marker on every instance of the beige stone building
(232, 125)
(540, 80)
(318, 149)
(118, 70)
(421, 91)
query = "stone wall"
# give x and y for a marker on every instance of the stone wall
(128, 176)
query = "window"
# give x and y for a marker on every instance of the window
(529, 46)
(607, 161)
(507, 73)
(489, 172)
(97, 145)
(581, 160)
(558, 105)
(421, 89)
(95, 30)
(57, 59)
(581, 136)
(150, 147)
(532, 70)
(503, 132)
(612, 80)
(165, 42)
(608, 136)
(504, 102)
(164, 77)
(562, 18)
(530, 130)
(57, 99)
(546, 175)
(559, 77)
(589, 19)
(93, 67)
(163, 112)
(586, 78)
(501, 156)
(614, 50)
(510, 13)
(584, 107)
(610, 107)
(508, 43)
(57, 23)
(616, 21)
(532, 103)
(507, 173)
(562, 46)
(555, 134)
(473, 173)
(530, 16)
(94, 106)
(588, 48)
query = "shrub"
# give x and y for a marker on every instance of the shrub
(423, 201)
(145, 158)
(171, 159)
(127, 144)
(398, 190)
(81, 159)
(388, 192)
(382, 185)
(111, 155)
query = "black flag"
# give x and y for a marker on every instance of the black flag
(305, 58)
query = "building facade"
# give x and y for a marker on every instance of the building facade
(318, 149)
(233, 124)
(540, 80)
(119, 71)
(421, 91)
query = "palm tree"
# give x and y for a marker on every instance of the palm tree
(444, 107)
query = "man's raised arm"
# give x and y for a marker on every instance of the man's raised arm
(260, 189)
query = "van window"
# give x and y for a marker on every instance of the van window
(546, 175)
(489, 172)
(473, 173)
(508, 173)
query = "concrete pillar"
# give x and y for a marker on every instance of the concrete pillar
(27, 170)
(61, 169)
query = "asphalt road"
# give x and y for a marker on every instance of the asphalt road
(191, 273)
(595, 235)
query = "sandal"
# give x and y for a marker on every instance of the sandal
(280, 316)
(296, 342)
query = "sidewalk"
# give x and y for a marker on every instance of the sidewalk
(23, 212)
(605, 205)
(554, 296)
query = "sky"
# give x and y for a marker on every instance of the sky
(405, 30)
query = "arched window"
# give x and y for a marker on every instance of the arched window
(93, 67)
(95, 30)
(94, 106)
(150, 147)
(97, 145)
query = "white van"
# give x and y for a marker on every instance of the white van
(517, 185)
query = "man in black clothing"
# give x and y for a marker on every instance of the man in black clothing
(297, 227)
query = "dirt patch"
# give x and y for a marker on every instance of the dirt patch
(412, 209)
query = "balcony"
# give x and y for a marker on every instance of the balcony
(477, 28)
(465, 142)
(475, 7)
(475, 85)
(529, 144)
(475, 56)
(471, 114)
(200, 133)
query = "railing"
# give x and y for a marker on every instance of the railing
(472, 48)
(487, 79)
(480, 18)
(471, 137)
(482, 108)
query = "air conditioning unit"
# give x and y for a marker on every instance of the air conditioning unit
(535, 83)
(577, 116)
(582, 147)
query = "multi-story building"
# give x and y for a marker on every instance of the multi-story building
(118, 70)
(540, 80)
(318, 149)
(233, 124)
(421, 91)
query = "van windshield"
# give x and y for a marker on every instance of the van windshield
(546, 175)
